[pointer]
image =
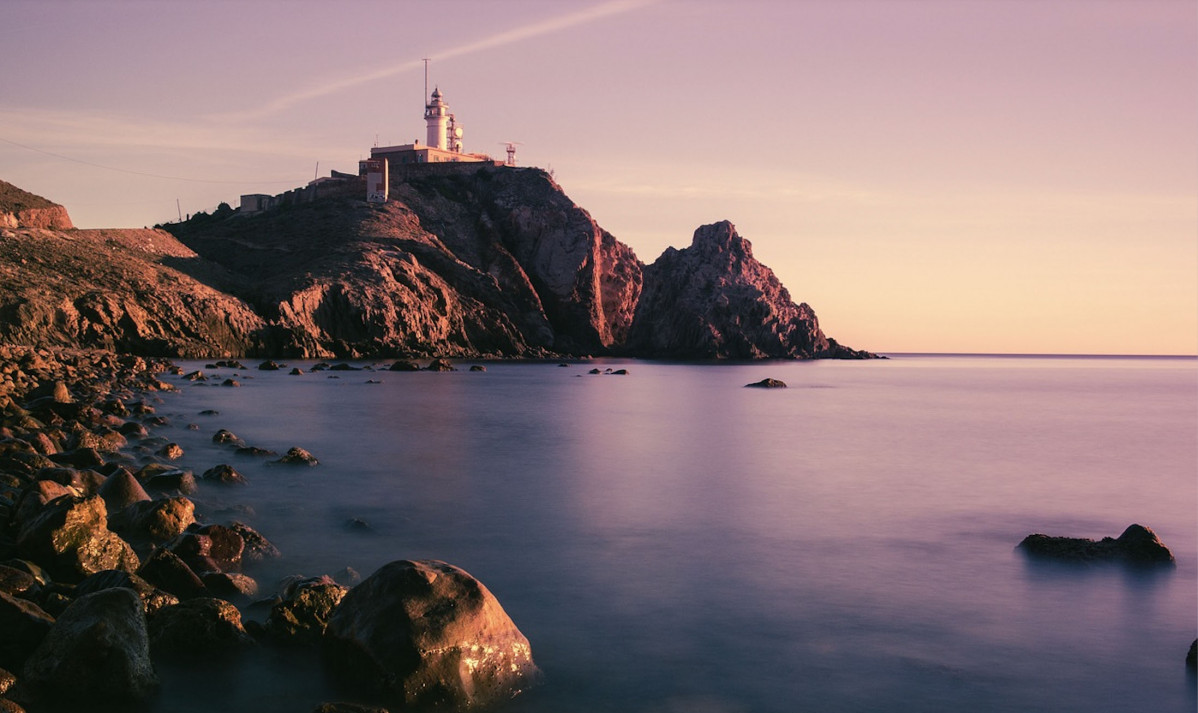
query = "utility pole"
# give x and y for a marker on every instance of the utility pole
(178, 208)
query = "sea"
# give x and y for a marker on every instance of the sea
(673, 542)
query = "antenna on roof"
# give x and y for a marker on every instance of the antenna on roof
(511, 151)
(426, 60)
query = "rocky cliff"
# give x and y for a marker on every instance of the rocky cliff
(714, 300)
(490, 262)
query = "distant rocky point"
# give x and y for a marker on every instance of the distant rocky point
(493, 262)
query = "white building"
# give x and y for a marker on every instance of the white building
(444, 140)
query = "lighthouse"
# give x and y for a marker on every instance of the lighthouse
(444, 145)
(438, 118)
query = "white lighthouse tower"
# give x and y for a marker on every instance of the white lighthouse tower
(436, 113)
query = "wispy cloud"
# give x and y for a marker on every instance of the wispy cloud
(92, 131)
(507, 37)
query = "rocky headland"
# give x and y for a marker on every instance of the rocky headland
(492, 263)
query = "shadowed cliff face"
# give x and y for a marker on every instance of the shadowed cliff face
(494, 262)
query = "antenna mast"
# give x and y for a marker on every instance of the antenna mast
(426, 61)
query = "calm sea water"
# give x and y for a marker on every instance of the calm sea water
(670, 541)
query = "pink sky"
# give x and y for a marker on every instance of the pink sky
(961, 176)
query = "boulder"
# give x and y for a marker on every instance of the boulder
(120, 490)
(254, 452)
(213, 548)
(229, 585)
(7, 680)
(24, 625)
(152, 598)
(97, 652)
(298, 456)
(767, 384)
(182, 482)
(80, 458)
(37, 496)
(439, 365)
(225, 436)
(197, 627)
(404, 366)
(225, 475)
(256, 547)
(16, 582)
(166, 570)
(1138, 545)
(427, 633)
(302, 614)
(155, 521)
(72, 540)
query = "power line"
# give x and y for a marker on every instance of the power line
(134, 173)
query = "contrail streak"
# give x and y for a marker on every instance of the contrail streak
(574, 19)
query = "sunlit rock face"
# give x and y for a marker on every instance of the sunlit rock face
(22, 209)
(426, 633)
(714, 300)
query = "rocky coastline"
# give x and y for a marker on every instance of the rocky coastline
(109, 569)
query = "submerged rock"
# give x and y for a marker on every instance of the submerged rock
(427, 634)
(1138, 545)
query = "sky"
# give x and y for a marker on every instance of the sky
(986, 176)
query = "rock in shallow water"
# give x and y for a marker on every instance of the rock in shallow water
(767, 384)
(298, 456)
(427, 633)
(1138, 545)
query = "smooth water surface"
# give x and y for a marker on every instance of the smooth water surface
(671, 541)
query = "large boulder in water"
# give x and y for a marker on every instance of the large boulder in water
(97, 652)
(1138, 545)
(427, 633)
